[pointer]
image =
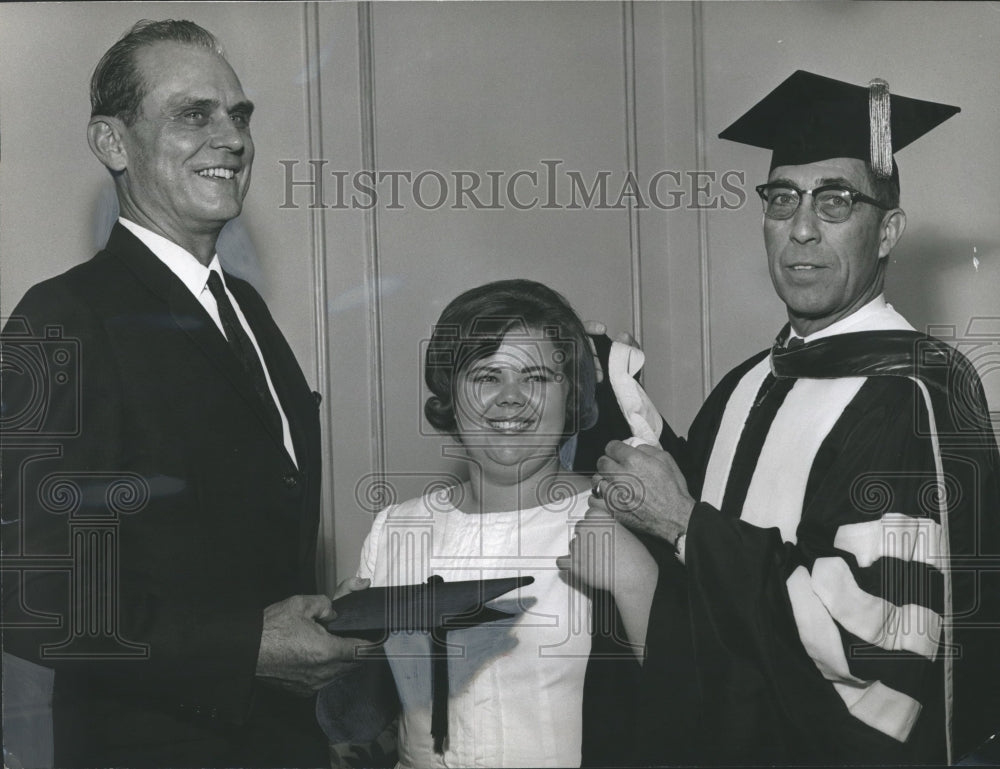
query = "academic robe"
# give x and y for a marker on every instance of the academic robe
(838, 602)
(150, 513)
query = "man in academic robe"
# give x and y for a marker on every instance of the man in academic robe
(161, 459)
(819, 582)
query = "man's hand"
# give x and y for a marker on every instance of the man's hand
(644, 490)
(296, 652)
(596, 328)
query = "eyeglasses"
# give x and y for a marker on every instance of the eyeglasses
(831, 202)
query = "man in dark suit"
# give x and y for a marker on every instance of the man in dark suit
(161, 459)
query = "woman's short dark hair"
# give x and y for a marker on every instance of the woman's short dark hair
(117, 87)
(473, 327)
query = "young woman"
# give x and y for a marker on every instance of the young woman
(512, 378)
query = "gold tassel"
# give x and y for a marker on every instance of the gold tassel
(881, 133)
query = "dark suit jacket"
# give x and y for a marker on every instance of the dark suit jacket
(161, 514)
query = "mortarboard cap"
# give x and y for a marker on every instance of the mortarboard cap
(809, 117)
(358, 706)
(372, 613)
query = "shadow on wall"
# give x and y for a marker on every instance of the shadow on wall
(235, 245)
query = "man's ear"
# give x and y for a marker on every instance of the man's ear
(893, 224)
(105, 136)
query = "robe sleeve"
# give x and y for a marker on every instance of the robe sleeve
(833, 647)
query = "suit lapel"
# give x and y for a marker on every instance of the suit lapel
(189, 316)
(302, 410)
(275, 358)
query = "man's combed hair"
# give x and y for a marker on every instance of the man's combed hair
(474, 325)
(117, 87)
(885, 191)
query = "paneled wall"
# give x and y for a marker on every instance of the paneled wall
(946, 270)
(530, 93)
(450, 92)
(623, 88)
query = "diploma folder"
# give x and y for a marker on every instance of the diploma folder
(434, 605)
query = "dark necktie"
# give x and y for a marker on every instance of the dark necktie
(243, 348)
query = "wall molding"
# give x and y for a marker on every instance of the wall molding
(326, 566)
(632, 162)
(373, 272)
(701, 142)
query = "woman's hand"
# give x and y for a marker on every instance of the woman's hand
(596, 328)
(351, 585)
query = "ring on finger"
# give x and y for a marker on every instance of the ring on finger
(596, 489)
